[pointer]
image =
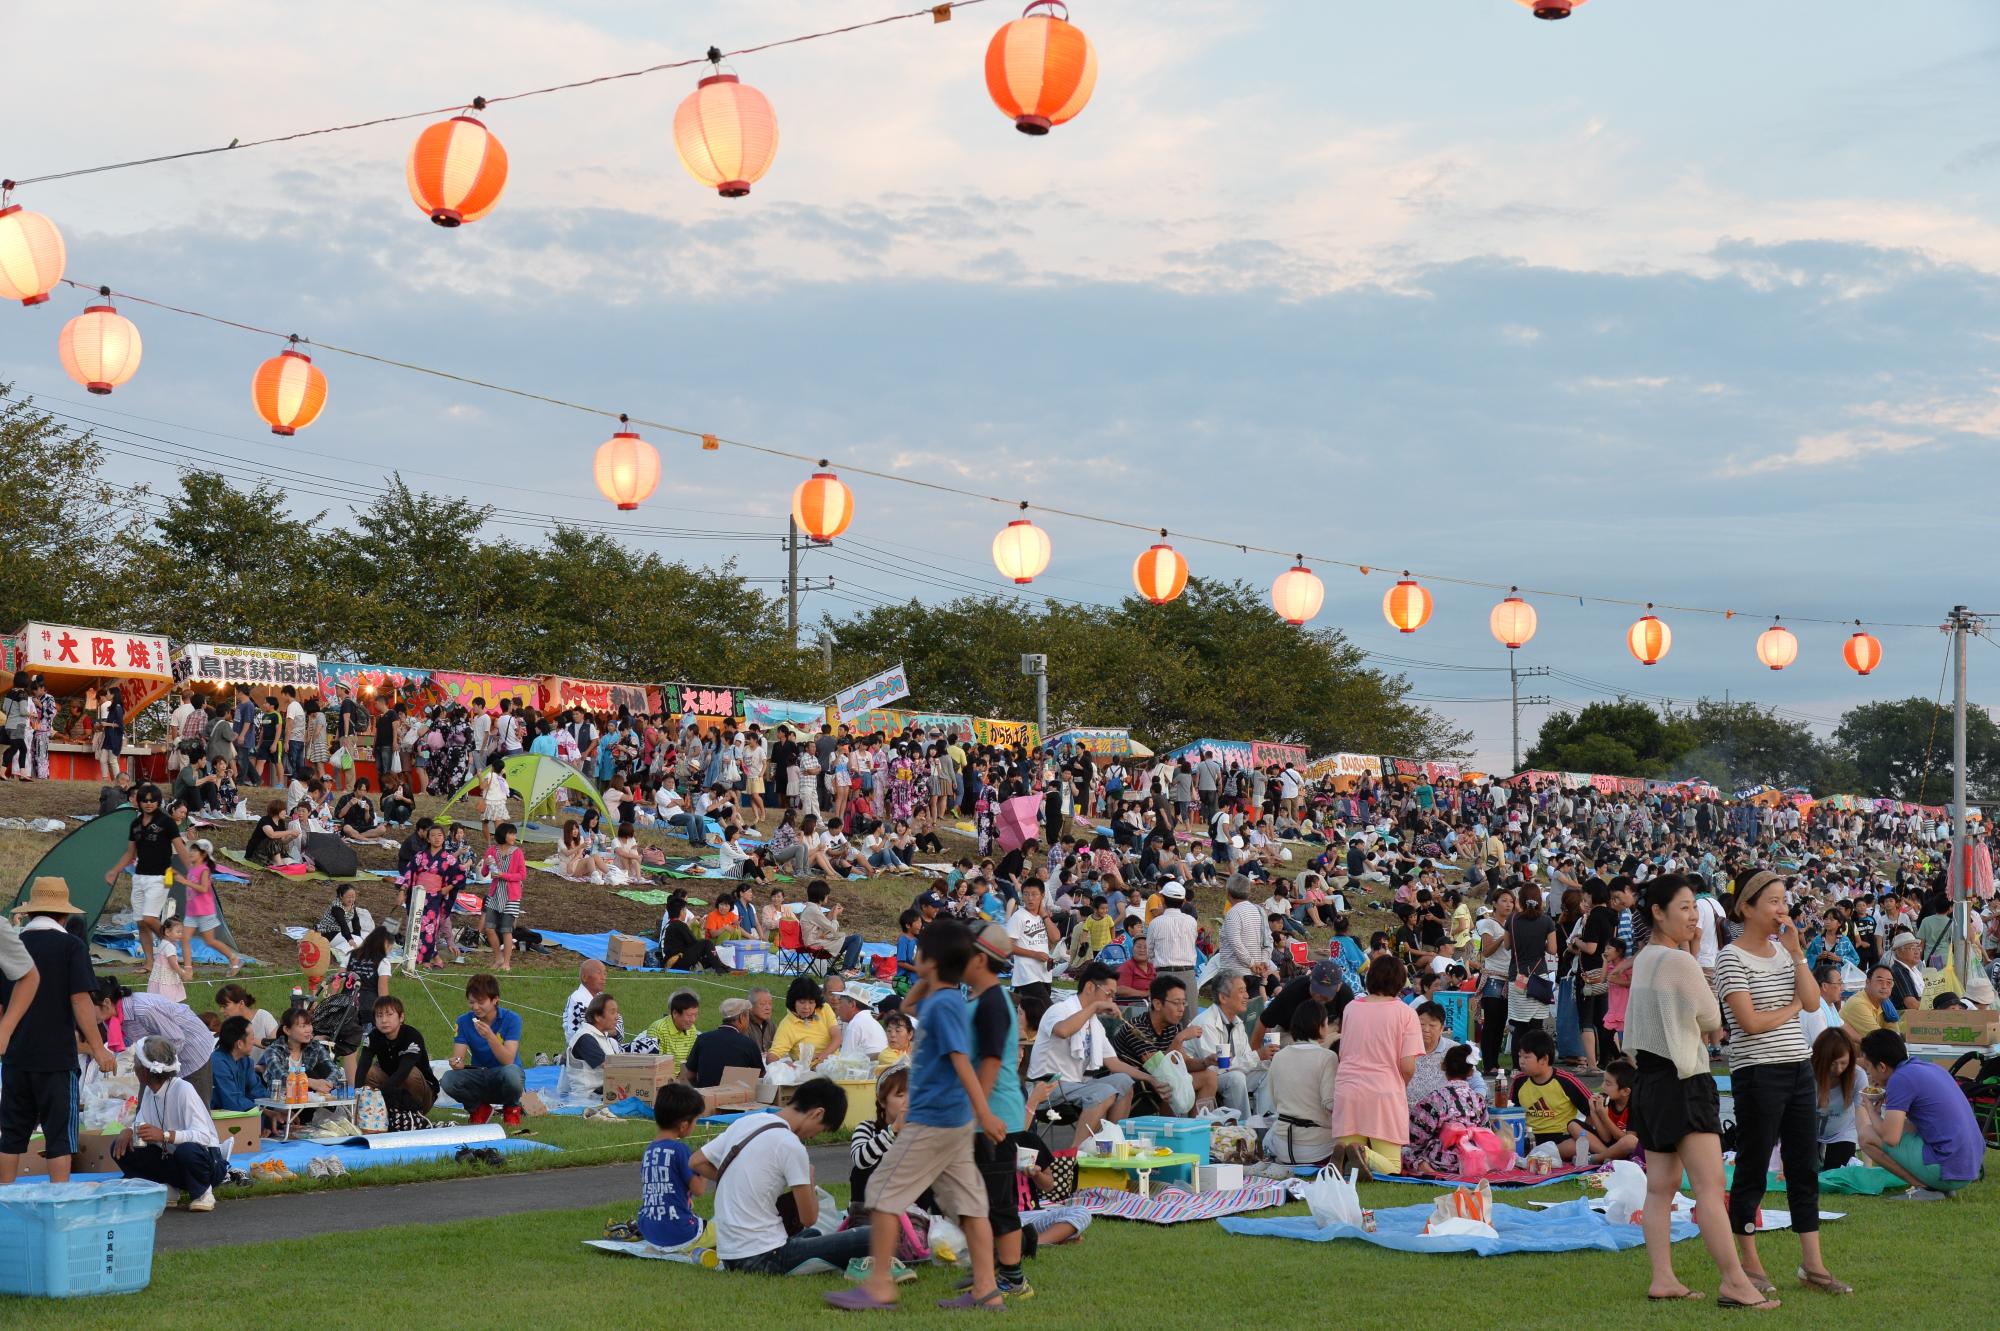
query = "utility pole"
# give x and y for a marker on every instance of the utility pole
(792, 581)
(1961, 623)
(1514, 688)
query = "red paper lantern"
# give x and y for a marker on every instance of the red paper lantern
(31, 255)
(726, 134)
(627, 468)
(1862, 653)
(1649, 638)
(1777, 647)
(289, 392)
(1040, 68)
(1297, 594)
(1407, 606)
(1512, 622)
(1550, 9)
(823, 505)
(1160, 573)
(100, 348)
(457, 170)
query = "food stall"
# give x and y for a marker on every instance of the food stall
(393, 684)
(560, 692)
(455, 688)
(214, 670)
(708, 706)
(77, 661)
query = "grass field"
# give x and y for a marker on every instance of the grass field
(1912, 1265)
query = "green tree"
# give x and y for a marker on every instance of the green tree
(1622, 738)
(222, 564)
(1740, 743)
(1902, 750)
(67, 529)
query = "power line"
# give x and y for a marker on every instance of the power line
(936, 13)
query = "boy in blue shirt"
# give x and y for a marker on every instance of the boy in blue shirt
(933, 1150)
(668, 1184)
(906, 950)
(486, 1056)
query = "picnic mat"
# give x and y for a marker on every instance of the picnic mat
(652, 896)
(289, 870)
(1504, 1179)
(1566, 1227)
(1767, 1218)
(1857, 1180)
(1172, 1206)
(298, 1155)
(699, 1257)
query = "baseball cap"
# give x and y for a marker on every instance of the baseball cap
(1173, 891)
(933, 899)
(994, 941)
(1324, 979)
(205, 846)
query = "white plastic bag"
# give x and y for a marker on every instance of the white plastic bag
(1333, 1199)
(1460, 1225)
(947, 1241)
(1624, 1192)
(1171, 1068)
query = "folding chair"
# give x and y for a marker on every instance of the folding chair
(791, 954)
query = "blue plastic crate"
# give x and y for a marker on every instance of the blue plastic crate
(66, 1239)
(1183, 1136)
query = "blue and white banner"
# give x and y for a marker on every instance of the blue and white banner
(875, 691)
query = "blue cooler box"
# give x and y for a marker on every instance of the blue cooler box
(66, 1239)
(1183, 1136)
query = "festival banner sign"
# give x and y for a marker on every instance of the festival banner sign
(873, 692)
(208, 663)
(560, 692)
(1263, 753)
(1101, 741)
(717, 700)
(455, 688)
(770, 713)
(1006, 734)
(367, 681)
(66, 649)
(1441, 772)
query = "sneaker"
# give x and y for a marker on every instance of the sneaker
(1926, 1195)
(479, 1114)
(511, 1116)
(325, 1166)
(859, 1268)
(1017, 1289)
(205, 1202)
(624, 1231)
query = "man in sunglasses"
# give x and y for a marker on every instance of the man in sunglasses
(155, 841)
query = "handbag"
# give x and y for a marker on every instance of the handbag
(1596, 983)
(1540, 988)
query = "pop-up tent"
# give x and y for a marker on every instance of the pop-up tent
(536, 779)
(82, 858)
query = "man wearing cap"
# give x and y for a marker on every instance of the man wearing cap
(729, 1045)
(1323, 982)
(1905, 954)
(155, 842)
(46, 1006)
(860, 1032)
(1170, 937)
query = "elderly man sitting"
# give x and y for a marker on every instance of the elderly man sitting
(1221, 1035)
(860, 1032)
(590, 983)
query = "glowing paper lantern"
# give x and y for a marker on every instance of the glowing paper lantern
(1040, 68)
(1297, 594)
(289, 392)
(1550, 9)
(627, 468)
(1407, 606)
(1649, 638)
(1160, 573)
(31, 255)
(1777, 647)
(99, 348)
(726, 135)
(823, 505)
(1021, 551)
(1513, 622)
(1862, 653)
(457, 170)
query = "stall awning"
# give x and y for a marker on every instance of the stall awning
(220, 665)
(73, 659)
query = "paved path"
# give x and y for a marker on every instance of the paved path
(306, 1214)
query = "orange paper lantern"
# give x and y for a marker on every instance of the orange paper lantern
(1862, 653)
(1021, 551)
(1297, 594)
(1513, 622)
(823, 505)
(457, 170)
(100, 348)
(1040, 68)
(1407, 606)
(1777, 647)
(289, 392)
(726, 135)
(1550, 9)
(1160, 573)
(31, 255)
(1649, 638)
(627, 468)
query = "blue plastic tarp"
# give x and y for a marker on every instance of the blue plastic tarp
(1568, 1227)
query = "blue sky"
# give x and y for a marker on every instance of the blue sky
(1695, 303)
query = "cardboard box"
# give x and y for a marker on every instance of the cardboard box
(738, 1090)
(244, 1128)
(93, 1149)
(1218, 1178)
(1961, 1026)
(636, 1074)
(625, 950)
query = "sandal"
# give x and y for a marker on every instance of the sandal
(1724, 1301)
(1762, 1282)
(1824, 1282)
(1686, 1295)
(856, 1298)
(993, 1303)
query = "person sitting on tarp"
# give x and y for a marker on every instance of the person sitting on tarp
(1915, 1121)
(583, 1062)
(395, 1061)
(233, 1068)
(172, 1138)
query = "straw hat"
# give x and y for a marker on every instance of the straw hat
(48, 896)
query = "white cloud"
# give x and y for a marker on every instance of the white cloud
(1834, 446)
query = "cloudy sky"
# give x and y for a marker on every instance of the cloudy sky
(1694, 303)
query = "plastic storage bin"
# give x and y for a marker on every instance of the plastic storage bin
(1182, 1136)
(66, 1239)
(1512, 1123)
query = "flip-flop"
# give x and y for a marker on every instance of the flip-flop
(1685, 1296)
(857, 1299)
(1724, 1301)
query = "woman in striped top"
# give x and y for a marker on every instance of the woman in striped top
(1764, 983)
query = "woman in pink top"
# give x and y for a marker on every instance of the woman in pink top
(1380, 1042)
(507, 863)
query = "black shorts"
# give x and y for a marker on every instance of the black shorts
(44, 1100)
(1667, 1107)
(997, 1169)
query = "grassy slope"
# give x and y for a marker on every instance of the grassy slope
(1891, 1251)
